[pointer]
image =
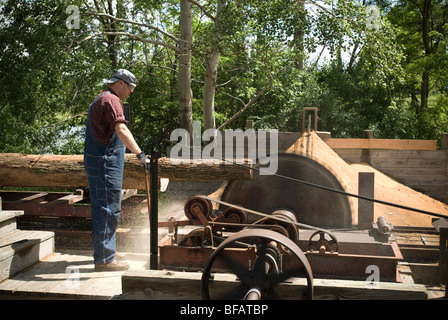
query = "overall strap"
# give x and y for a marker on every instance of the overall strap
(89, 134)
(99, 96)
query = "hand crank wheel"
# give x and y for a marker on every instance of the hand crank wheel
(322, 244)
(257, 277)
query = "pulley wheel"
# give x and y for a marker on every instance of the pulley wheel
(194, 239)
(291, 230)
(257, 279)
(199, 238)
(234, 216)
(197, 205)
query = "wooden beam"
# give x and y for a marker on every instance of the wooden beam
(21, 170)
(71, 198)
(395, 144)
(171, 285)
(33, 197)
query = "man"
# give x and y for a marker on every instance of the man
(107, 137)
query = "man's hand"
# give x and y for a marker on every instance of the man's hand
(143, 159)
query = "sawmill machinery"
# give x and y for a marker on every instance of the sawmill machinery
(273, 228)
(299, 223)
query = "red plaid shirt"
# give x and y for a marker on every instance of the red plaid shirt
(105, 114)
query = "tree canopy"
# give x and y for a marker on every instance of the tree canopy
(372, 64)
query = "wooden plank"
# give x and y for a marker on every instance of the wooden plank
(22, 249)
(81, 281)
(92, 284)
(32, 197)
(70, 198)
(11, 241)
(405, 163)
(169, 285)
(354, 155)
(408, 154)
(382, 144)
(8, 221)
(419, 181)
(437, 192)
(351, 155)
(10, 214)
(163, 285)
(422, 172)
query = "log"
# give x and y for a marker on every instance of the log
(19, 170)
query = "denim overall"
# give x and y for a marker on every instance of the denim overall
(104, 167)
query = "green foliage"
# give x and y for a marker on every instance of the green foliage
(41, 78)
(369, 76)
(422, 33)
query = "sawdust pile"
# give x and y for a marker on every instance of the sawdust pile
(386, 188)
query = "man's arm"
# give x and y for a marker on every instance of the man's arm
(127, 138)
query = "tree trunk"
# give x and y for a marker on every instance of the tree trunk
(428, 52)
(185, 93)
(109, 25)
(424, 91)
(19, 170)
(112, 46)
(299, 34)
(211, 75)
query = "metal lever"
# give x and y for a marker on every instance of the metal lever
(153, 195)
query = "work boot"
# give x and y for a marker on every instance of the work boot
(112, 266)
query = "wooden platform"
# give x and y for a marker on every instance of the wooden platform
(68, 275)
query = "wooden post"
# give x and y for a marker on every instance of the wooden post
(315, 109)
(365, 154)
(444, 146)
(368, 134)
(441, 225)
(366, 188)
(444, 141)
(443, 263)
